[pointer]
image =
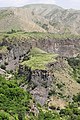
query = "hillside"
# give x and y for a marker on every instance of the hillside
(39, 63)
(39, 76)
(40, 18)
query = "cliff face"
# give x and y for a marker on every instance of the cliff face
(39, 82)
(42, 83)
(66, 47)
(55, 81)
(17, 50)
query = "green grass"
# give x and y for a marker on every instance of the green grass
(36, 51)
(39, 59)
(38, 36)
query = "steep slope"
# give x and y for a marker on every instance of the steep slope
(62, 20)
(40, 17)
(49, 77)
(17, 19)
(15, 47)
(36, 56)
(40, 77)
(8, 20)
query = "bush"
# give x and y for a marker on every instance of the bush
(76, 98)
(47, 116)
(78, 80)
(6, 63)
(13, 99)
(12, 31)
(3, 67)
(4, 116)
(59, 85)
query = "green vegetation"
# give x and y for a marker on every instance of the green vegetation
(75, 64)
(15, 104)
(14, 101)
(2, 66)
(72, 111)
(76, 98)
(5, 116)
(39, 59)
(11, 32)
(37, 51)
(39, 35)
(36, 35)
(48, 115)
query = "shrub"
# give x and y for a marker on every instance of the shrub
(59, 85)
(13, 99)
(4, 116)
(3, 67)
(76, 98)
(6, 63)
(12, 31)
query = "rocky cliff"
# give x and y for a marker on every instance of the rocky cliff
(39, 81)
(53, 83)
(64, 47)
(13, 50)
(42, 60)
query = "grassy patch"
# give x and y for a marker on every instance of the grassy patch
(39, 59)
(37, 36)
(40, 35)
(37, 51)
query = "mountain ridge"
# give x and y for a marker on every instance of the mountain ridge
(40, 18)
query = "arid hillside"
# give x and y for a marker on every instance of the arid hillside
(40, 18)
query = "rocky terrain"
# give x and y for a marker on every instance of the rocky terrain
(15, 49)
(40, 18)
(39, 63)
(43, 61)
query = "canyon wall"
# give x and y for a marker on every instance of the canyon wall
(41, 82)
(17, 50)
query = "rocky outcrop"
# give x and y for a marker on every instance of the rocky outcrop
(56, 80)
(25, 71)
(42, 78)
(39, 82)
(42, 83)
(64, 47)
(18, 49)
